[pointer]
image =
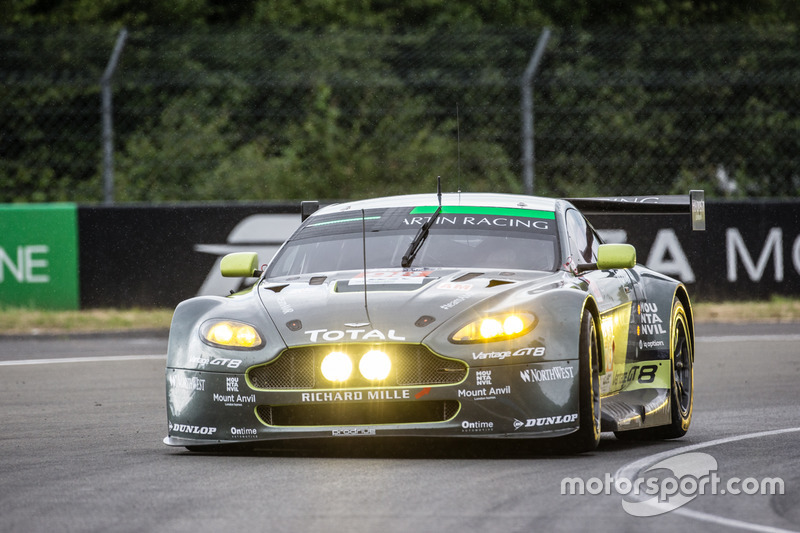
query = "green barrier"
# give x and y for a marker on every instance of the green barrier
(39, 256)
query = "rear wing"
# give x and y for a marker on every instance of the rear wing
(694, 204)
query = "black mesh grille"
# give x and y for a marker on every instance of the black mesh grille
(412, 364)
(416, 365)
(354, 414)
(294, 369)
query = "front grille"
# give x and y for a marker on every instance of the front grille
(356, 414)
(412, 365)
(293, 369)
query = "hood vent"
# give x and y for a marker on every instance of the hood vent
(467, 277)
(497, 282)
(277, 288)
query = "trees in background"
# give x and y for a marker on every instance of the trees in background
(267, 99)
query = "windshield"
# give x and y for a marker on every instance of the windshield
(463, 237)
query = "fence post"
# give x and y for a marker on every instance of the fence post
(108, 130)
(526, 86)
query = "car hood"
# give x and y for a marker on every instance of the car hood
(400, 305)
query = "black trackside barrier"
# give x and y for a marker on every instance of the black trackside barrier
(157, 256)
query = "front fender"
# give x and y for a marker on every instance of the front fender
(558, 318)
(186, 350)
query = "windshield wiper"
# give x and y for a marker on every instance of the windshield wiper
(422, 234)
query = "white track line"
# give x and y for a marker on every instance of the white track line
(749, 338)
(631, 471)
(98, 359)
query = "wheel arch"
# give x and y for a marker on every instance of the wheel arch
(591, 305)
(682, 295)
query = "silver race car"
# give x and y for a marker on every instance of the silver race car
(487, 316)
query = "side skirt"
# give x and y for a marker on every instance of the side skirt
(635, 409)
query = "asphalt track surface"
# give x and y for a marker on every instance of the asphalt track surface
(82, 420)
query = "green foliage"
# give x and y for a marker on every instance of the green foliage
(233, 114)
(192, 155)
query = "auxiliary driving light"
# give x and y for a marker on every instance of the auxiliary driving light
(336, 366)
(375, 365)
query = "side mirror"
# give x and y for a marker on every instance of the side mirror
(616, 256)
(612, 256)
(240, 265)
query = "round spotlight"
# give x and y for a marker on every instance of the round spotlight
(375, 365)
(491, 328)
(513, 325)
(221, 333)
(246, 337)
(336, 367)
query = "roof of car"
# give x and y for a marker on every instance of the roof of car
(448, 199)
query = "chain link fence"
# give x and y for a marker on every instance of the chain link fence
(243, 114)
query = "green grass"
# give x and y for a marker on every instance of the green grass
(35, 321)
(777, 309)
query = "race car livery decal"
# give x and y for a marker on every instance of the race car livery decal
(469, 426)
(450, 286)
(192, 430)
(203, 362)
(476, 217)
(644, 375)
(651, 322)
(453, 303)
(243, 433)
(182, 382)
(546, 421)
(352, 432)
(555, 373)
(484, 393)
(357, 395)
(533, 351)
(486, 211)
(333, 335)
(391, 276)
(342, 220)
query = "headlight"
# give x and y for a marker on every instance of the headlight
(495, 328)
(336, 367)
(375, 365)
(230, 334)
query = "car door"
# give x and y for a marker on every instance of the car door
(613, 291)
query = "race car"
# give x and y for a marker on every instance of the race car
(486, 316)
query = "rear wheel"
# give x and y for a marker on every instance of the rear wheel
(682, 396)
(682, 382)
(588, 436)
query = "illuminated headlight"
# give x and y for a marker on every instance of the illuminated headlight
(495, 328)
(230, 334)
(375, 365)
(336, 367)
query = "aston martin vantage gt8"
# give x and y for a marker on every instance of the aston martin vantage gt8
(485, 316)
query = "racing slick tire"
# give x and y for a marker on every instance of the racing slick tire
(682, 383)
(588, 435)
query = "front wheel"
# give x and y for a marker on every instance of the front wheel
(588, 435)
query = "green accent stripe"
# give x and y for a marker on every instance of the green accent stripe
(357, 219)
(498, 211)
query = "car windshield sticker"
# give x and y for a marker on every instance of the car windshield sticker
(358, 219)
(492, 211)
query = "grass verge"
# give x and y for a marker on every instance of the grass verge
(38, 321)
